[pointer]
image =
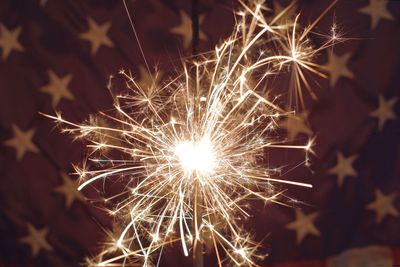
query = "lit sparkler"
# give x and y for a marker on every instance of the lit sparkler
(189, 151)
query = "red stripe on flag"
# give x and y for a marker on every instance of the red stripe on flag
(305, 263)
(322, 263)
(396, 257)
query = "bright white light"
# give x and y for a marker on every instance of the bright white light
(196, 156)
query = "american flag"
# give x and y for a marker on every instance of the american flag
(57, 55)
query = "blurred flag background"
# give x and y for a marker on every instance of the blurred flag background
(57, 55)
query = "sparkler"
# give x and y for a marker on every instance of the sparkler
(190, 152)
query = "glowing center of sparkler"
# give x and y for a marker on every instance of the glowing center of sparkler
(196, 156)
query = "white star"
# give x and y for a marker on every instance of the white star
(97, 35)
(343, 168)
(57, 88)
(9, 41)
(384, 112)
(304, 225)
(383, 205)
(377, 9)
(185, 29)
(36, 239)
(296, 125)
(337, 67)
(69, 189)
(22, 141)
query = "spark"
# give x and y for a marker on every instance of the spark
(188, 150)
(196, 156)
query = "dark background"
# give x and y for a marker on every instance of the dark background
(50, 40)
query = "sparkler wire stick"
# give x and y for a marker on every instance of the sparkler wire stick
(198, 258)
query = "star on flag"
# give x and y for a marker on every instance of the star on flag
(343, 168)
(304, 225)
(57, 88)
(377, 10)
(97, 35)
(36, 240)
(69, 189)
(9, 41)
(383, 205)
(296, 125)
(185, 29)
(337, 67)
(22, 141)
(384, 112)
